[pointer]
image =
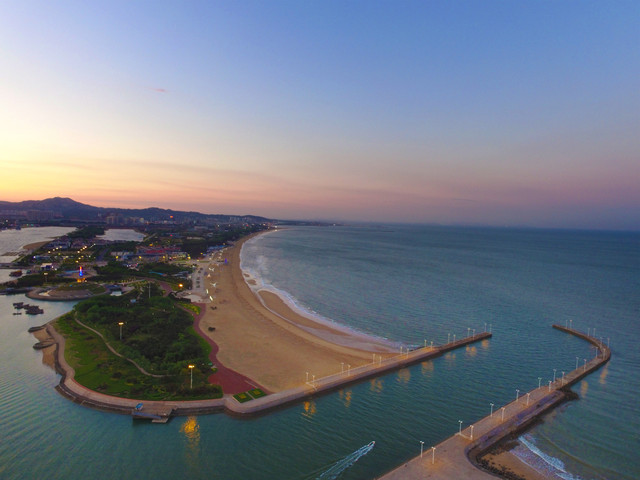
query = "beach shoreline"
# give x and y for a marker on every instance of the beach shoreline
(253, 324)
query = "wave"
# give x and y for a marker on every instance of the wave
(538, 460)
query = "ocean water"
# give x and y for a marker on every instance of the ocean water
(405, 283)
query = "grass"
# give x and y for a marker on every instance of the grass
(100, 370)
(256, 393)
(249, 395)
(243, 397)
(91, 287)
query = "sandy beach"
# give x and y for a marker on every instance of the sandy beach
(260, 336)
(502, 459)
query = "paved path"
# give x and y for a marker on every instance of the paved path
(452, 459)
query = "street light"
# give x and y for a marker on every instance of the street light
(539, 381)
(448, 337)
(554, 375)
(471, 432)
(528, 394)
(121, 324)
(433, 455)
(549, 385)
(460, 431)
(191, 368)
(468, 330)
(421, 445)
(491, 409)
(517, 394)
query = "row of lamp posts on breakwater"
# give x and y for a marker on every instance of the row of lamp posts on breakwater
(562, 382)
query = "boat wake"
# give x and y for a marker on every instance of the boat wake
(341, 465)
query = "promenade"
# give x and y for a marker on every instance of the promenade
(308, 388)
(457, 456)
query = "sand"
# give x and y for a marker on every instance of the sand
(509, 462)
(259, 336)
(34, 246)
(48, 353)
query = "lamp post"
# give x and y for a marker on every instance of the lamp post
(585, 365)
(191, 368)
(539, 381)
(121, 324)
(562, 378)
(570, 322)
(549, 385)
(468, 330)
(433, 455)
(421, 445)
(554, 375)
(460, 431)
(454, 338)
(503, 414)
(528, 394)
(471, 432)
(517, 394)
(307, 380)
(474, 332)
(448, 337)
(491, 415)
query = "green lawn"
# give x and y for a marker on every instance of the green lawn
(99, 369)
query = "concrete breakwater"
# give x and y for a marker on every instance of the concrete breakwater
(457, 457)
(228, 404)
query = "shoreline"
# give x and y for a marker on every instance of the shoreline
(251, 324)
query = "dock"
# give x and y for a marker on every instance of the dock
(457, 457)
(156, 413)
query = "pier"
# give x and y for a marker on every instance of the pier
(457, 457)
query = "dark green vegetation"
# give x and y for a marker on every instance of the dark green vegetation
(87, 232)
(249, 395)
(156, 334)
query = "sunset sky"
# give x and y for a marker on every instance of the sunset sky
(453, 112)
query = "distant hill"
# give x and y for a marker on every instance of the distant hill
(60, 208)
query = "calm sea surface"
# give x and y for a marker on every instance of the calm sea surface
(405, 283)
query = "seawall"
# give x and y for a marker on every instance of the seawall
(71, 389)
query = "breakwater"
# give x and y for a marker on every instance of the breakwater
(228, 404)
(458, 456)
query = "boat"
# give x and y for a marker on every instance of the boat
(16, 273)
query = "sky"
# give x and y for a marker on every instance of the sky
(505, 113)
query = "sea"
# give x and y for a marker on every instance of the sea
(409, 284)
